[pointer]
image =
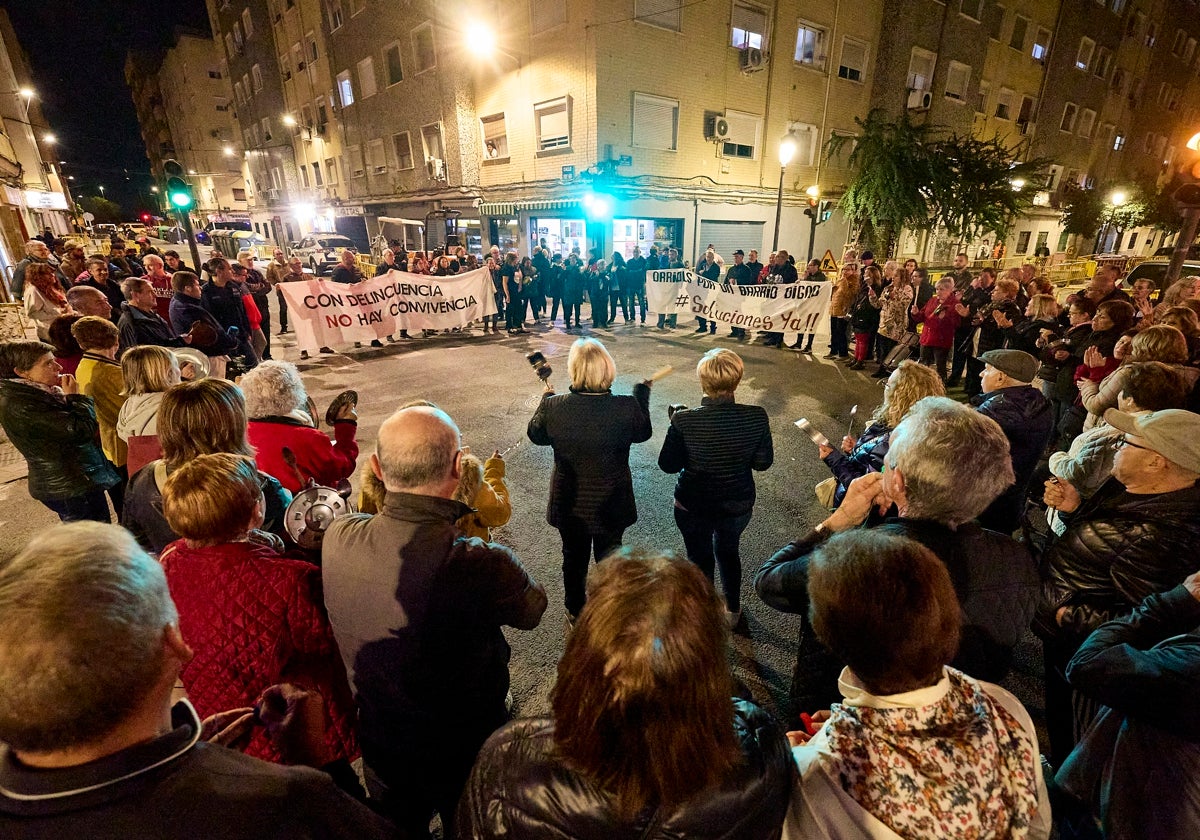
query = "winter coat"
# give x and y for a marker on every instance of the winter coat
(1089, 461)
(139, 328)
(42, 311)
(100, 378)
(492, 507)
(1024, 335)
(255, 618)
(185, 311)
(317, 457)
(866, 457)
(591, 487)
(139, 416)
(1099, 397)
(893, 304)
(845, 289)
(991, 335)
(226, 305)
(59, 437)
(941, 321)
(864, 317)
(1061, 373)
(574, 284)
(521, 787)
(714, 448)
(142, 516)
(1118, 548)
(1028, 422)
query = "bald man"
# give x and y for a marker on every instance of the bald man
(88, 300)
(417, 610)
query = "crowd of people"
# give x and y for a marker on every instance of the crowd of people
(361, 687)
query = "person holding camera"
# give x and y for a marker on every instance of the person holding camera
(591, 489)
(715, 449)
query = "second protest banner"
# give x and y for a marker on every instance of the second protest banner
(773, 307)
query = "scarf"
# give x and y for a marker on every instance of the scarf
(961, 766)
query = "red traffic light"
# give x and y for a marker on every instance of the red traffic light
(145, 217)
(813, 201)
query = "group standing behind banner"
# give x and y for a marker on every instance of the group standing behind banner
(792, 307)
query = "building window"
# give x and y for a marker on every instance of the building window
(494, 131)
(546, 14)
(1103, 61)
(366, 77)
(1004, 104)
(810, 45)
(335, 14)
(1023, 241)
(1180, 40)
(749, 26)
(391, 58)
(247, 24)
(958, 79)
(285, 67)
(1119, 143)
(345, 89)
(995, 20)
(552, 120)
(297, 56)
(402, 149)
(239, 93)
(431, 141)
(377, 156)
(981, 98)
(256, 74)
(1118, 81)
(806, 143)
(655, 122)
(972, 9)
(355, 156)
(1151, 34)
(1105, 137)
(331, 171)
(230, 52)
(744, 130)
(1083, 58)
(316, 168)
(1087, 121)
(920, 70)
(1041, 44)
(1070, 112)
(239, 194)
(356, 6)
(854, 60)
(266, 128)
(1025, 114)
(1117, 6)
(423, 47)
(303, 177)
(312, 47)
(238, 41)
(667, 14)
(214, 74)
(1189, 50)
(1019, 31)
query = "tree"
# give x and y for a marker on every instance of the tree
(100, 207)
(980, 186)
(1082, 211)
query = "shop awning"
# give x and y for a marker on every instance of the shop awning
(392, 220)
(507, 208)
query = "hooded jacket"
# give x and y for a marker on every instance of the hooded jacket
(139, 416)
(521, 788)
(1028, 422)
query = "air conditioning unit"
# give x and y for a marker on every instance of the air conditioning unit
(919, 100)
(721, 129)
(436, 168)
(750, 59)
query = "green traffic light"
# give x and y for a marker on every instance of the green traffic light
(181, 199)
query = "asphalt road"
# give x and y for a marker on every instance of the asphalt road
(486, 385)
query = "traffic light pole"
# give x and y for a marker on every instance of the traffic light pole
(812, 231)
(186, 218)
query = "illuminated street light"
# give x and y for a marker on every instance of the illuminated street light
(1117, 198)
(49, 139)
(787, 151)
(101, 190)
(477, 37)
(1018, 184)
(1194, 143)
(813, 192)
(191, 171)
(289, 120)
(26, 92)
(228, 151)
(154, 188)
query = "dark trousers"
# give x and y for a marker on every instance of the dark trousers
(883, 346)
(839, 344)
(514, 312)
(711, 326)
(578, 548)
(599, 302)
(716, 539)
(568, 308)
(936, 358)
(637, 299)
(555, 301)
(264, 307)
(283, 327)
(667, 321)
(617, 298)
(961, 355)
(91, 507)
(972, 384)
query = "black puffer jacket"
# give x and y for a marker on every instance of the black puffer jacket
(59, 437)
(1028, 422)
(866, 457)
(1118, 548)
(520, 788)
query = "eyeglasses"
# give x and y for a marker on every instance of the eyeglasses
(1123, 441)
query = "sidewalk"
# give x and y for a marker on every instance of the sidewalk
(12, 464)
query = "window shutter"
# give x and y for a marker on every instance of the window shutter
(654, 122)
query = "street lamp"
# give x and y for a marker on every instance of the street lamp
(102, 191)
(26, 92)
(288, 120)
(813, 212)
(154, 188)
(1115, 199)
(49, 139)
(787, 150)
(228, 150)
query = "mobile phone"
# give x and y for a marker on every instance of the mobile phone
(806, 427)
(535, 359)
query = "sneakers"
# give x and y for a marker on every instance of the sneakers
(327, 350)
(830, 356)
(376, 342)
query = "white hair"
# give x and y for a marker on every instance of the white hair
(273, 389)
(34, 245)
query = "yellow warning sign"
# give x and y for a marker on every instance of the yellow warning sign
(828, 263)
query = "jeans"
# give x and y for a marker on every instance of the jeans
(91, 507)
(578, 548)
(936, 358)
(718, 538)
(514, 312)
(638, 297)
(839, 345)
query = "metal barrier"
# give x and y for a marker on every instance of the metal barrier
(366, 264)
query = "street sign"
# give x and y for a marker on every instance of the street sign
(828, 263)
(625, 160)
(568, 172)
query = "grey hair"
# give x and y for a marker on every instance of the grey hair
(955, 461)
(418, 460)
(76, 292)
(33, 245)
(273, 389)
(81, 643)
(130, 286)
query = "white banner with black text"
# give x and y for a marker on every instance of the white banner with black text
(325, 314)
(773, 307)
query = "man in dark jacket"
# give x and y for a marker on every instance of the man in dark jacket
(739, 274)
(946, 463)
(636, 293)
(99, 751)
(1145, 668)
(222, 296)
(187, 309)
(1027, 420)
(417, 611)
(99, 278)
(140, 322)
(782, 271)
(1135, 536)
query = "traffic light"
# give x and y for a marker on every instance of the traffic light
(812, 209)
(179, 191)
(146, 218)
(824, 211)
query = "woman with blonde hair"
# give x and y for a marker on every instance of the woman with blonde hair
(149, 371)
(1040, 314)
(591, 488)
(908, 384)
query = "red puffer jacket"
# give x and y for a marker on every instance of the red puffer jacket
(317, 456)
(255, 618)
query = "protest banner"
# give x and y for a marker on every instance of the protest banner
(773, 307)
(325, 313)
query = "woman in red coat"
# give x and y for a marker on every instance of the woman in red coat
(941, 319)
(278, 407)
(253, 617)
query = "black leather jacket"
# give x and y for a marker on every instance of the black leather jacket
(1118, 548)
(521, 788)
(59, 437)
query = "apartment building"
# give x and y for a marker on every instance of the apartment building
(141, 77)
(199, 117)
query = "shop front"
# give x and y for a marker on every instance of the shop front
(628, 234)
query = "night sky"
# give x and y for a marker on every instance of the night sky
(76, 50)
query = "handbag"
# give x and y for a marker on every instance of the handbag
(902, 350)
(825, 491)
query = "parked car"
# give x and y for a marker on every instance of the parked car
(1168, 250)
(321, 252)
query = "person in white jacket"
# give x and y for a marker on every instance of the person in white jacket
(916, 749)
(149, 371)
